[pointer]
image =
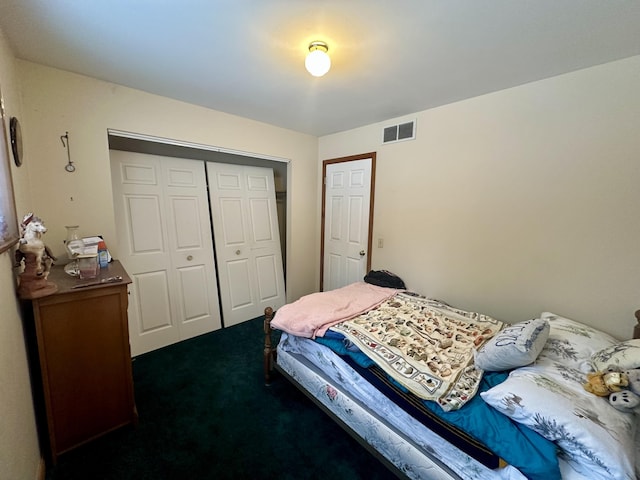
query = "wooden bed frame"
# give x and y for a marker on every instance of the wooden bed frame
(270, 352)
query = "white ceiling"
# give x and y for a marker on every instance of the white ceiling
(390, 58)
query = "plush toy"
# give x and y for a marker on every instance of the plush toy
(628, 400)
(633, 377)
(605, 383)
(622, 388)
(625, 401)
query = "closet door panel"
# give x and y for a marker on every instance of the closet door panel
(153, 305)
(164, 241)
(247, 239)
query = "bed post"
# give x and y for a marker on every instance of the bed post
(269, 350)
(636, 330)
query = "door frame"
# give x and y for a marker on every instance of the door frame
(325, 163)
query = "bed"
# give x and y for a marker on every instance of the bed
(564, 431)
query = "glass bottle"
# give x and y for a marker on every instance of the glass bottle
(73, 243)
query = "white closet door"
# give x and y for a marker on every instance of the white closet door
(164, 242)
(248, 251)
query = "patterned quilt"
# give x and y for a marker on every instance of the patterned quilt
(424, 345)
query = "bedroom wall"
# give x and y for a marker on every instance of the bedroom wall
(19, 450)
(519, 201)
(56, 101)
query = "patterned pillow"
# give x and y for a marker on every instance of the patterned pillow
(623, 355)
(596, 439)
(515, 346)
(572, 343)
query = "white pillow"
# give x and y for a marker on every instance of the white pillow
(596, 439)
(623, 355)
(514, 346)
(572, 343)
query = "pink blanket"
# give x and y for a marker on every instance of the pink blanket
(313, 314)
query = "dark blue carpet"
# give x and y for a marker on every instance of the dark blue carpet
(205, 413)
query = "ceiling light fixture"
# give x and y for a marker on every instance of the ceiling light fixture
(318, 62)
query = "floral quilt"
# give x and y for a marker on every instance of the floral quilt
(424, 345)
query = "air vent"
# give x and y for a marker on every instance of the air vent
(398, 133)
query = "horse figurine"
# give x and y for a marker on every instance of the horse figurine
(37, 259)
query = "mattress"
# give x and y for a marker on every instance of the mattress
(411, 447)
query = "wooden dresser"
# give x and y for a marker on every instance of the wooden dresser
(84, 358)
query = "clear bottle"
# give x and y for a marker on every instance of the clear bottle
(73, 243)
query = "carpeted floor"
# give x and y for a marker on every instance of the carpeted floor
(205, 413)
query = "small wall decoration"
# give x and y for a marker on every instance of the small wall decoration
(69, 167)
(16, 140)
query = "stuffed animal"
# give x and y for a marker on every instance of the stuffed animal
(628, 400)
(633, 377)
(622, 388)
(625, 401)
(605, 383)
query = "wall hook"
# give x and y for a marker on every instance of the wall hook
(69, 167)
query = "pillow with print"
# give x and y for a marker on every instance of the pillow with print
(573, 343)
(623, 356)
(514, 346)
(595, 439)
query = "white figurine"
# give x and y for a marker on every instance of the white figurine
(37, 259)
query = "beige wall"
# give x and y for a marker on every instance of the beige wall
(19, 450)
(519, 201)
(56, 102)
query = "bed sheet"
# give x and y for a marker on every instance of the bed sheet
(412, 447)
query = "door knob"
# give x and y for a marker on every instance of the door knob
(190, 257)
(237, 252)
(362, 253)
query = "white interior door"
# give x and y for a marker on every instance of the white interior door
(164, 243)
(246, 234)
(346, 236)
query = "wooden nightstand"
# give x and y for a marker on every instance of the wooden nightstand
(84, 357)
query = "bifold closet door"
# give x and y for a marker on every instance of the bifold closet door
(247, 239)
(164, 241)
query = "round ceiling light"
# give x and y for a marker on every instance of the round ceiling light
(318, 62)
